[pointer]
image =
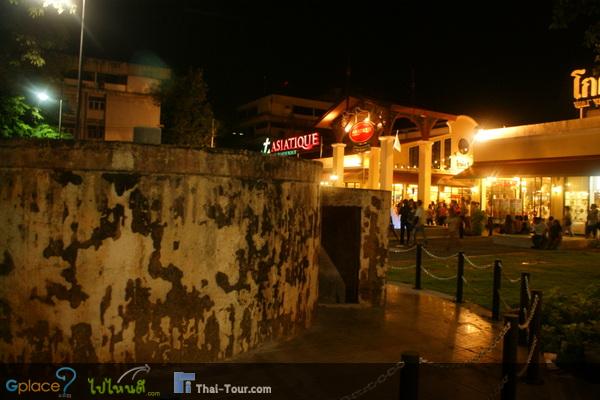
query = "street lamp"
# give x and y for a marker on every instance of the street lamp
(43, 97)
(60, 6)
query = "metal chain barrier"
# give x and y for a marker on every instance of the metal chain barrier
(498, 388)
(527, 287)
(472, 264)
(472, 287)
(531, 314)
(402, 251)
(508, 277)
(439, 278)
(477, 357)
(402, 268)
(374, 383)
(533, 345)
(437, 257)
(506, 305)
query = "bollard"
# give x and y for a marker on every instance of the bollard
(409, 376)
(459, 277)
(509, 358)
(524, 304)
(496, 291)
(535, 330)
(418, 268)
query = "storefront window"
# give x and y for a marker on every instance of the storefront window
(397, 193)
(536, 193)
(595, 189)
(577, 198)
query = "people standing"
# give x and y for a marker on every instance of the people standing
(406, 217)
(554, 235)
(591, 224)
(568, 222)
(419, 222)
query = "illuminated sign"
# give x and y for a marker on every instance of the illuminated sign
(292, 145)
(586, 90)
(362, 132)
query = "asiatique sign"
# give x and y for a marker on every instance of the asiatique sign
(292, 145)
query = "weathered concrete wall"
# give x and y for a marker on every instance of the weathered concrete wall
(375, 216)
(125, 252)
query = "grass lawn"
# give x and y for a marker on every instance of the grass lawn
(566, 270)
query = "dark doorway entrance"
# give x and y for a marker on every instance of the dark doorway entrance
(340, 237)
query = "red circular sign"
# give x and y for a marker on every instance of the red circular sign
(362, 132)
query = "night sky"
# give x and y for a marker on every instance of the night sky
(496, 61)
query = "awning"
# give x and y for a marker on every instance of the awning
(406, 177)
(563, 166)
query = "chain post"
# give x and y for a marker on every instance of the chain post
(496, 290)
(418, 267)
(459, 277)
(524, 307)
(409, 376)
(509, 357)
(533, 371)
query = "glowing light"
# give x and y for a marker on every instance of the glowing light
(475, 189)
(60, 5)
(556, 189)
(348, 127)
(42, 96)
(333, 178)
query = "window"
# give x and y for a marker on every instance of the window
(463, 146)
(436, 154)
(302, 110)
(95, 132)
(413, 156)
(447, 152)
(96, 103)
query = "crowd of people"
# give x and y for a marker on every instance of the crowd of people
(410, 218)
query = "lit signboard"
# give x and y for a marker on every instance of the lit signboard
(586, 90)
(362, 132)
(292, 145)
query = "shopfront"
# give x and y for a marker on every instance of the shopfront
(549, 167)
(542, 196)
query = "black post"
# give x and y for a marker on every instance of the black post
(496, 291)
(524, 305)
(409, 376)
(535, 331)
(418, 268)
(459, 277)
(509, 358)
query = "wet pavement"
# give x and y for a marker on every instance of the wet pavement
(440, 331)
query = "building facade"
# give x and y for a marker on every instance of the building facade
(116, 98)
(275, 117)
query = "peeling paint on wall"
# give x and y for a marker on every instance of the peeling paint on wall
(166, 262)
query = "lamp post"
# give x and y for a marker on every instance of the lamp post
(78, 133)
(43, 97)
(60, 6)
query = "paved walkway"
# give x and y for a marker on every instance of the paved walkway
(351, 346)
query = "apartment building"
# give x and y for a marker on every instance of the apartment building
(116, 98)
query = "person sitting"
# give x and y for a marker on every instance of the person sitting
(539, 234)
(518, 224)
(526, 227)
(554, 235)
(507, 228)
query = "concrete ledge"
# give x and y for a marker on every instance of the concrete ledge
(524, 241)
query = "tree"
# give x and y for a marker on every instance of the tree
(20, 120)
(25, 43)
(186, 114)
(580, 13)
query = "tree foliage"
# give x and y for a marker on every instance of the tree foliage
(186, 113)
(26, 40)
(20, 120)
(580, 13)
